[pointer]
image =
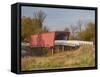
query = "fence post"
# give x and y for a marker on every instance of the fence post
(62, 47)
(52, 50)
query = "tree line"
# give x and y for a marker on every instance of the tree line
(34, 25)
(79, 33)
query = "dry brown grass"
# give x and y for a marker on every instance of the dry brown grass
(82, 57)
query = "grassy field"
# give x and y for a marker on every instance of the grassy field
(84, 56)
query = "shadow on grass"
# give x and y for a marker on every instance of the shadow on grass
(40, 51)
(36, 51)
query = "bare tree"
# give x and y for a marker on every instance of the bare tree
(79, 25)
(66, 29)
(45, 29)
(73, 31)
(39, 17)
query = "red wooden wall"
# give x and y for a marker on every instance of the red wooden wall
(42, 40)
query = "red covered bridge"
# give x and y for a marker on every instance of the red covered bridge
(48, 39)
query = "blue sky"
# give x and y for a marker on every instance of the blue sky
(58, 19)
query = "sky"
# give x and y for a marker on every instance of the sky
(58, 19)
